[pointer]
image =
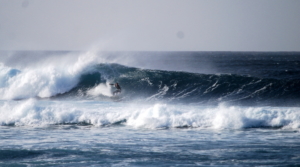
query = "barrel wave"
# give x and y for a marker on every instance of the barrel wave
(92, 81)
(184, 87)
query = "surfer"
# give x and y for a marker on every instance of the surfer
(118, 88)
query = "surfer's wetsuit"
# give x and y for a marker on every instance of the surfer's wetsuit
(118, 88)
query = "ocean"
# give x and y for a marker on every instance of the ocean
(57, 108)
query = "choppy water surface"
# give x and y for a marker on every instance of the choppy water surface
(69, 145)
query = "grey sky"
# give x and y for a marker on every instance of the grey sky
(197, 25)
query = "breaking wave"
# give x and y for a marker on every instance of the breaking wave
(88, 78)
(32, 112)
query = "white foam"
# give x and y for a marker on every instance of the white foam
(221, 117)
(32, 112)
(164, 116)
(44, 80)
(35, 113)
(101, 89)
(246, 117)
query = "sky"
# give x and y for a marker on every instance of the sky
(150, 25)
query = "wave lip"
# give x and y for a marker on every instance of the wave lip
(45, 80)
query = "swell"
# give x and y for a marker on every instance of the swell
(184, 87)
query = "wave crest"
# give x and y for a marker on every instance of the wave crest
(45, 80)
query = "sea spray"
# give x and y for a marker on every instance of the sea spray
(101, 89)
(43, 81)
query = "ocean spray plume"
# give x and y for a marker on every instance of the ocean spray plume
(101, 89)
(44, 80)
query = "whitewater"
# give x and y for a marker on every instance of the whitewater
(175, 109)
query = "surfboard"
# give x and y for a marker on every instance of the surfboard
(116, 97)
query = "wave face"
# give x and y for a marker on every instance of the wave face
(183, 87)
(88, 76)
